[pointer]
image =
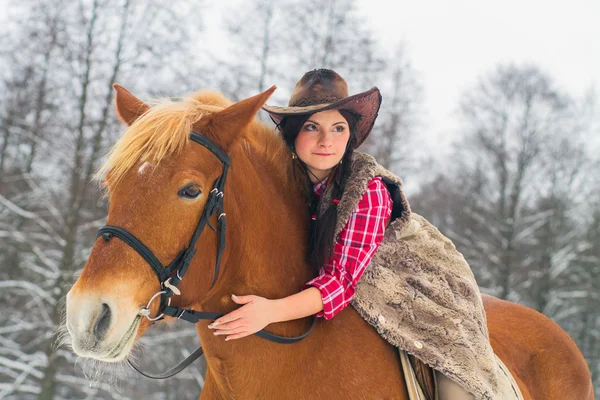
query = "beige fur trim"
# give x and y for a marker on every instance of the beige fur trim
(420, 294)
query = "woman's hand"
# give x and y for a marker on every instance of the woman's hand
(254, 315)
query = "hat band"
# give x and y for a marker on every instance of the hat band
(308, 101)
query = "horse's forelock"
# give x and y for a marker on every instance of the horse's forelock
(163, 131)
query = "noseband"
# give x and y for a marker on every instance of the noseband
(171, 275)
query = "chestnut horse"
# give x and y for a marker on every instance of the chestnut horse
(158, 181)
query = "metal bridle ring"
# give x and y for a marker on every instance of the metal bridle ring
(172, 287)
(145, 311)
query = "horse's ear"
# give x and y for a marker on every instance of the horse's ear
(229, 122)
(129, 108)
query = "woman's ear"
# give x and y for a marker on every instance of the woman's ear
(228, 124)
(129, 108)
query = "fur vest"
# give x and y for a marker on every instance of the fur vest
(418, 292)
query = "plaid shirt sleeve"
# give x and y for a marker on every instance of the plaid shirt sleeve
(353, 249)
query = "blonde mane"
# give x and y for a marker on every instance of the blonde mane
(162, 131)
(165, 128)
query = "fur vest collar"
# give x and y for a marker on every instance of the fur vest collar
(418, 292)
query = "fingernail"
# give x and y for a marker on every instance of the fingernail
(210, 326)
(234, 296)
(226, 339)
(216, 333)
(215, 323)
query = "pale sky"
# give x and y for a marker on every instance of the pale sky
(452, 43)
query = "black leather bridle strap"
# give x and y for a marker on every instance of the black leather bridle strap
(196, 316)
(173, 371)
(218, 197)
(108, 231)
(170, 276)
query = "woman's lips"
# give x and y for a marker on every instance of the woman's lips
(322, 154)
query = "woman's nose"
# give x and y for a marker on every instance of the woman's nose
(325, 141)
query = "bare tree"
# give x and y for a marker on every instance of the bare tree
(257, 38)
(57, 122)
(400, 115)
(276, 42)
(586, 318)
(561, 192)
(333, 35)
(508, 119)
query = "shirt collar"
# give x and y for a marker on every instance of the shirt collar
(320, 187)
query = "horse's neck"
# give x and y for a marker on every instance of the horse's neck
(266, 244)
(269, 220)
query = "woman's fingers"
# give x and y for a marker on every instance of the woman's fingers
(227, 323)
(229, 332)
(232, 316)
(232, 326)
(237, 335)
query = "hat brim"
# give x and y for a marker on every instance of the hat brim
(366, 104)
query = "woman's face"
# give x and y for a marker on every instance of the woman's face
(321, 142)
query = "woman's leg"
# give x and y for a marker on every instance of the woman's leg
(450, 390)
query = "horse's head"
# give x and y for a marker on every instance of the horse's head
(158, 182)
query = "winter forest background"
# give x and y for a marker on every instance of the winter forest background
(518, 193)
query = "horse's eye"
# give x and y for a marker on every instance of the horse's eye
(190, 192)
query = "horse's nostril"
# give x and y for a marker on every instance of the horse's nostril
(103, 322)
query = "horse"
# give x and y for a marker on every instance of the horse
(158, 182)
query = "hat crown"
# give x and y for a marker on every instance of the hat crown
(323, 89)
(319, 86)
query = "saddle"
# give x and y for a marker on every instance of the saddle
(420, 379)
(422, 385)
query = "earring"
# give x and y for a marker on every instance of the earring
(294, 156)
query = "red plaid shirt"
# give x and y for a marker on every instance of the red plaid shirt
(353, 249)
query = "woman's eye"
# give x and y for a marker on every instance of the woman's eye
(310, 127)
(339, 128)
(190, 192)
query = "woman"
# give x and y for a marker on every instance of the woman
(323, 126)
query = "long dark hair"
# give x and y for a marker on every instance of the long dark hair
(321, 239)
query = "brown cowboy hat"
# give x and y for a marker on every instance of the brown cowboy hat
(323, 89)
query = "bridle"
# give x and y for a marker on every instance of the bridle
(171, 275)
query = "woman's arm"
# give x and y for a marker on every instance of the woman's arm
(353, 250)
(303, 304)
(333, 289)
(259, 312)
